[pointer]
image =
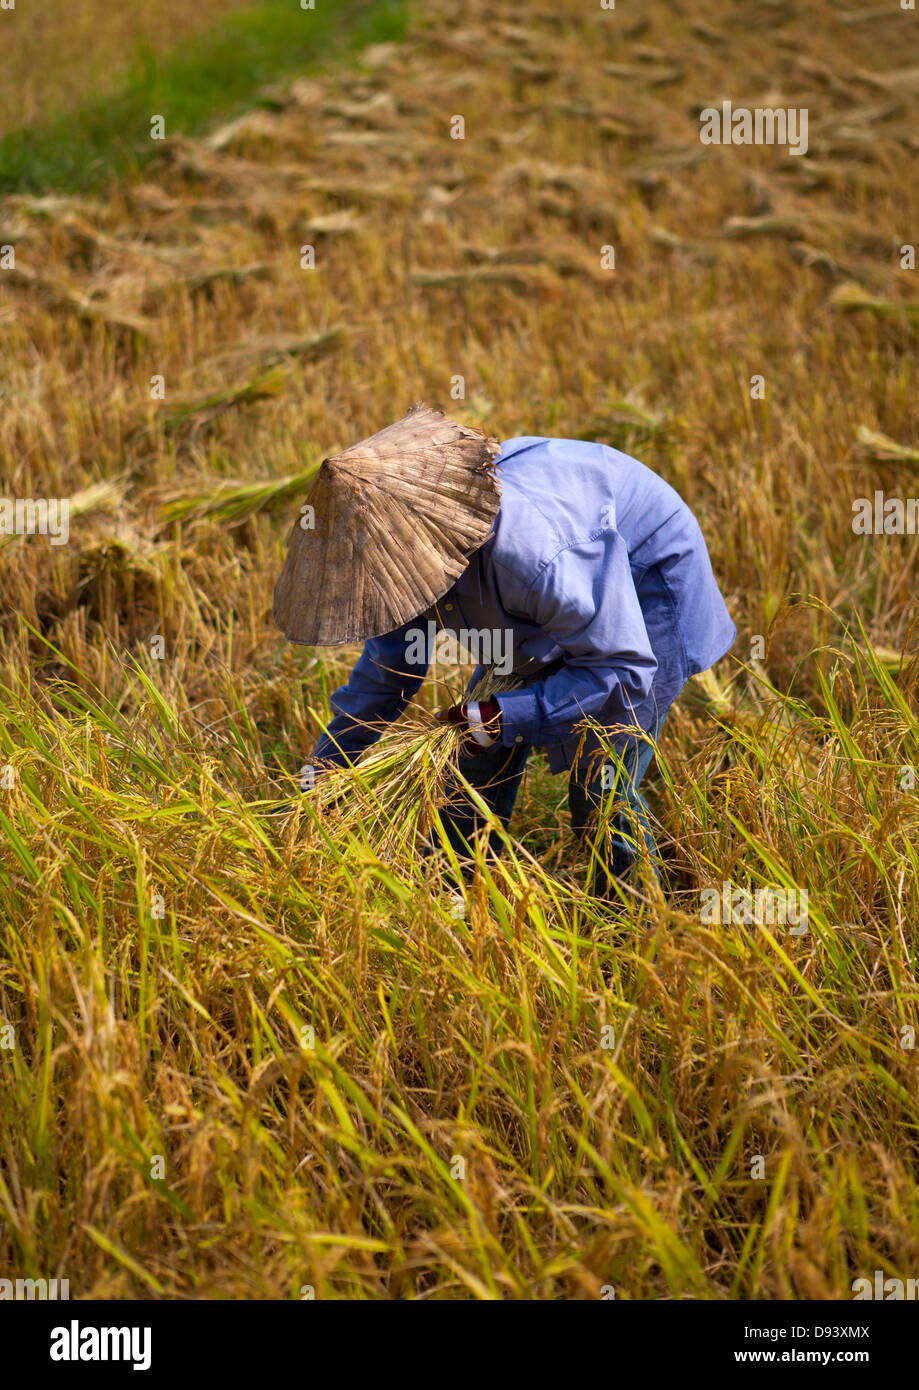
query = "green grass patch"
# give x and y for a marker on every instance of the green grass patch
(212, 74)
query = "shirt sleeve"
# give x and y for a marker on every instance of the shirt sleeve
(585, 599)
(388, 672)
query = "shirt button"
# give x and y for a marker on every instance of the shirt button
(519, 738)
(448, 607)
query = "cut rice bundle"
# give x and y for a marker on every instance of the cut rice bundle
(393, 794)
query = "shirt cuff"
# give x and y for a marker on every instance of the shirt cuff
(520, 721)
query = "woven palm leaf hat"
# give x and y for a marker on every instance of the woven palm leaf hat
(396, 519)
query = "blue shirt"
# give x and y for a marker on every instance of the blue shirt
(596, 575)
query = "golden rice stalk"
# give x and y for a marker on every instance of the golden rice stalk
(557, 257)
(13, 229)
(866, 114)
(900, 80)
(706, 32)
(516, 34)
(393, 794)
(611, 124)
(533, 70)
(519, 278)
(271, 349)
(771, 224)
(148, 197)
(202, 409)
(234, 274)
(85, 234)
(649, 53)
(850, 297)
(252, 124)
(236, 176)
(329, 223)
(304, 93)
(234, 502)
(868, 15)
(367, 139)
(620, 419)
(691, 251)
(73, 301)
(381, 110)
(653, 76)
(360, 190)
(121, 551)
(97, 498)
(818, 258)
(571, 177)
(880, 446)
(105, 496)
(49, 207)
(380, 55)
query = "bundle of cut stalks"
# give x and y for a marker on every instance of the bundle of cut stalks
(393, 794)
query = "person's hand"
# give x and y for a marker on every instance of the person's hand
(479, 722)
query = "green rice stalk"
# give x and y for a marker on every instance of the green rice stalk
(234, 502)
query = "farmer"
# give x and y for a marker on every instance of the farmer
(567, 564)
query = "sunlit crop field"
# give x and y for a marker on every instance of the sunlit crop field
(246, 1052)
(54, 56)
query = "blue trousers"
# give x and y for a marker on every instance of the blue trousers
(497, 774)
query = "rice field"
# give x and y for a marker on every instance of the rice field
(50, 62)
(250, 1049)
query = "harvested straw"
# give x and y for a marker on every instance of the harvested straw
(854, 298)
(233, 502)
(877, 445)
(392, 795)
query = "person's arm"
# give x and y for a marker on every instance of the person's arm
(387, 674)
(585, 599)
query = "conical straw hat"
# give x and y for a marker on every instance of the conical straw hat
(396, 519)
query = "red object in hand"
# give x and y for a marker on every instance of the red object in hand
(487, 726)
